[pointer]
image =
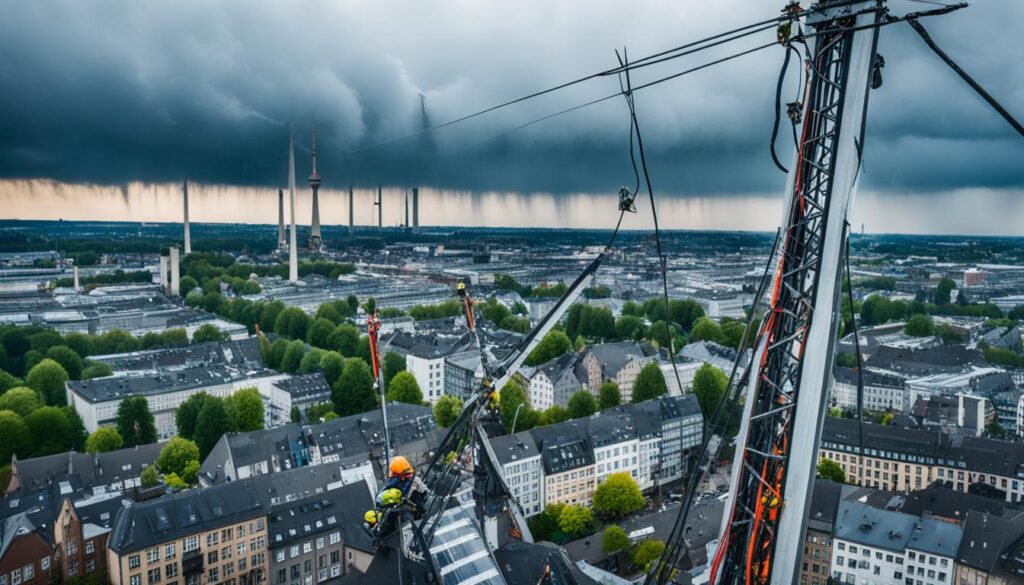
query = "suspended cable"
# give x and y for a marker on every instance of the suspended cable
(726, 407)
(860, 365)
(919, 29)
(660, 57)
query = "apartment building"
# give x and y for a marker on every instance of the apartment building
(319, 538)
(567, 458)
(522, 470)
(25, 556)
(882, 391)
(298, 392)
(97, 400)
(616, 445)
(620, 362)
(554, 382)
(214, 535)
(902, 460)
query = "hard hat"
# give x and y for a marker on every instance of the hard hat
(371, 516)
(400, 466)
(391, 497)
(462, 285)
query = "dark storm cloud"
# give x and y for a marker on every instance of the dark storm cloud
(117, 90)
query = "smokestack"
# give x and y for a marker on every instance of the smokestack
(280, 219)
(314, 183)
(406, 210)
(351, 210)
(175, 267)
(77, 289)
(380, 208)
(188, 238)
(415, 207)
(293, 255)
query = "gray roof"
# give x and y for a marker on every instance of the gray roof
(340, 509)
(305, 386)
(922, 443)
(925, 361)
(863, 524)
(985, 538)
(141, 525)
(13, 527)
(945, 502)
(564, 446)
(512, 448)
(237, 352)
(559, 367)
(825, 499)
(162, 382)
(852, 376)
(614, 356)
(937, 537)
(88, 470)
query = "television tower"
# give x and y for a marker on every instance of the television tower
(281, 243)
(314, 183)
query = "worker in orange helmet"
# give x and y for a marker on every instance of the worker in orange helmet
(401, 475)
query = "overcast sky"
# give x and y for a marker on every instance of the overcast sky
(114, 91)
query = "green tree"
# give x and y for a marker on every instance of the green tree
(614, 539)
(68, 359)
(48, 379)
(276, 354)
(732, 333)
(345, 339)
(293, 357)
(176, 456)
(245, 406)
(647, 553)
(292, 322)
(44, 340)
(353, 392)
(7, 381)
(393, 363)
(609, 395)
(995, 429)
(650, 383)
(186, 284)
(21, 400)
(295, 414)
(311, 361)
(403, 388)
(208, 332)
(96, 370)
(353, 304)
(327, 311)
(580, 344)
(78, 433)
(582, 403)
(332, 364)
(213, 421)
(575, 521)
(319, 334)
(704, 329)
(709, 385)
(149, 477)
(446, 410)
(943, 291)
(135, 422)
(187, 413)
(102, 440)
(618, 496)
(829, 469)
(553, 415)
(920, 326)
(544, 525)
(846, 359)
(50, 430)
(554, 344)
(629, 327)
(15, 438)
(512, 396)
(659, 333)
(81, 344)
(370, 306)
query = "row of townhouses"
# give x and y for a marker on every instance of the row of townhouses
(932, 536)
(85, 516)
(564, 463)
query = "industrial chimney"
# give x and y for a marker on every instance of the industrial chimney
(314, 183)
(280, 220)
(175, 272)
(351, 211)
(188, 238)
(293, 256)
(415, 207)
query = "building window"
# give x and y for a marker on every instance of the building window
(44, 563)
(30, 571)
(135, 580)
(191, 543)
(89, 547)
(154, 576)
(134, 561)
(169, 551)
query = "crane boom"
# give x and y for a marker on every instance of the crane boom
(785, 399)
